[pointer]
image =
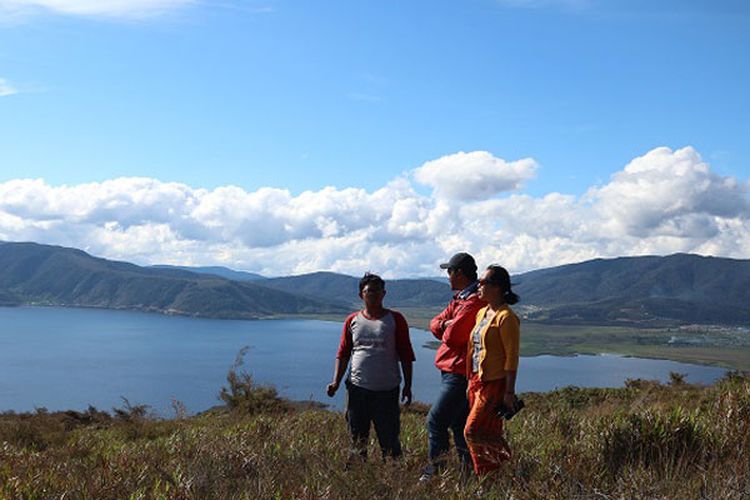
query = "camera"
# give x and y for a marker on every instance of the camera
(507, 412)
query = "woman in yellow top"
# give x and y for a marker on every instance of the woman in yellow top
(492, 362)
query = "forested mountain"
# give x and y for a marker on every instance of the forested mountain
(223, 272)
(650, 290)
(343, 289)
(41, 274)
(682, 287)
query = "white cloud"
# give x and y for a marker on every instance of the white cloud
(474, 176)
(6, 88)
(662, 202)
(105, 8)
(666, 193)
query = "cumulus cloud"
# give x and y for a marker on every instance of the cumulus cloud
(669, 193)
(475, 175)
(662, 202)
(6, 88)
(106, 8)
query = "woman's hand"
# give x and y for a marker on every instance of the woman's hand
(509, 399)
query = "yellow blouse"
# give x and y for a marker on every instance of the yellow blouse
(500, 341)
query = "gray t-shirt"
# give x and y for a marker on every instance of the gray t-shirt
(374, 363)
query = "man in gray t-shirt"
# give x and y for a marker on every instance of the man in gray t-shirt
(376, 340)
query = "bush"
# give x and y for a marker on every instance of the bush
(651, 439)
(132, 413)
(41, 430)
(243, 395)
(676, 378)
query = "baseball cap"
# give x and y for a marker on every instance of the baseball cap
(461, 260)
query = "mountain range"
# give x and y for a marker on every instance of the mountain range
(649, 290)
(683, 288)
(223, 272)
(48, 275)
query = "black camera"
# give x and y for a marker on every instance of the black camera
(507, 412)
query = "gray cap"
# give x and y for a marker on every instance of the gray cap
(461, 260)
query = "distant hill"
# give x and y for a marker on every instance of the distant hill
(8, 298)
(48, 275)
(650, 289)
(223, 272)
(343, 290)
(644, 291)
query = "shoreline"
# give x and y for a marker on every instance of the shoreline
(720, 346)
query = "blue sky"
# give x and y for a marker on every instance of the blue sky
(307, 96)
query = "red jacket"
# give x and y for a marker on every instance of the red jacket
(454, 339)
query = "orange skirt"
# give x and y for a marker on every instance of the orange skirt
(484, 428)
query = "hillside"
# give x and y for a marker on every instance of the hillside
(223, 272)
(644, 440)
(8, 298)
(41, 274)
(342, 289)
(645, 291)
(681, 287)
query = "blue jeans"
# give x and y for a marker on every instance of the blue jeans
(448, 412)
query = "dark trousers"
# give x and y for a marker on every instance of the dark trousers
(448, 412)
(381, 408)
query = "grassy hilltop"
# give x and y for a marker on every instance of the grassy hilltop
(645, 440)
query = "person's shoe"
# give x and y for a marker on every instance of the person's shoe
(465, 474)
(427, 473)
(356, 458)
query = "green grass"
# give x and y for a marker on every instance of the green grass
(723, 346)
(645, 440)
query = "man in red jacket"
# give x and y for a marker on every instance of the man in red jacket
(453, 327)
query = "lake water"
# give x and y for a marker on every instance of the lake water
(61, 358)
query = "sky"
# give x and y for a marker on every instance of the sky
(284, 137)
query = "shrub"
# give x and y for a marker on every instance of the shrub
(242, 394)
(132, 413)
(41, 430)
(676, 378)
(651, 439)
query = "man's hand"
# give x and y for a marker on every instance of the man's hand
(447, 323)
(332, 388)
(406, 396)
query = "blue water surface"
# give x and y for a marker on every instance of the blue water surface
(64, 358)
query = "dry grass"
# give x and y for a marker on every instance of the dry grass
(645, 440)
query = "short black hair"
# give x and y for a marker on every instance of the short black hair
(369, 278)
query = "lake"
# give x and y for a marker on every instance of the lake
(64, 358)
